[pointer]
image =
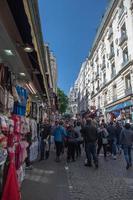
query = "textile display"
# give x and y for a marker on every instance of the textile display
(11, 189)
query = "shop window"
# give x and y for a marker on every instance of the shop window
(128, 81)
(125, 55)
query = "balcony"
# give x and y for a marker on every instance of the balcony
(103, 66)
(111, 55)
(122, 39)
(114, 98)
(113, 74)
(128, 91)
(110, 33)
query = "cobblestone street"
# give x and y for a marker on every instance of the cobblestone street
(52, 181)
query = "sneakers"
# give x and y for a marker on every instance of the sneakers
(87, 165)
(29, 167)
(114, 157)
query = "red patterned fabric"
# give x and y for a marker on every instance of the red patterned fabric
(11, 188)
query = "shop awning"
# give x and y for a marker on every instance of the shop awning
(120, 106)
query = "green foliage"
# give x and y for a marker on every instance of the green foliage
(63, 101)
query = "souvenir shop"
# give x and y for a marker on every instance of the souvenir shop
(121, 112)
(20, 116)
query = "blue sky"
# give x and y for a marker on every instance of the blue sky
(69, 26)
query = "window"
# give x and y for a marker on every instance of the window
(112, 48)
(114, 92)
(128, 81)
(104, 77)
(104, 59)
(105, 98)
(113, 69)
(99, 102)
(98, 69)
(125, 55)
(123, 30)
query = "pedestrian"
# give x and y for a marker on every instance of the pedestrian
(112, 139)
(72, 143)
(102, 139)
(79, 138)
(90, 136)
(45, 137)
(59, 134)
(126, 140)
(118, 132)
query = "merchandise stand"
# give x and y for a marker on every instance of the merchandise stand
(20, 117)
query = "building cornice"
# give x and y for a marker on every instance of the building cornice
(108, 14)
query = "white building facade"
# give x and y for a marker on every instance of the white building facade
(107, 75)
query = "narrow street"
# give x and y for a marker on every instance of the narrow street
(59, 181)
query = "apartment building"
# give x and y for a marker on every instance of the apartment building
(109, 69)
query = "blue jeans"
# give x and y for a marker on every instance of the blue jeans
(42, 149)
(127, 153)
(90, 149)
(113, 145)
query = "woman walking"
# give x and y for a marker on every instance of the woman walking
(102, 140)
(71, 142)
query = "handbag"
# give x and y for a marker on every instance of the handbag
(104, 140)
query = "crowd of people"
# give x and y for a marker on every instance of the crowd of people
(75, 136)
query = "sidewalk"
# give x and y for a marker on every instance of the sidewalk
(47, 181)
(57, 181)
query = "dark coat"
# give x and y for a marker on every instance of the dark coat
(45, 131)
(112, 132)
(89, 133)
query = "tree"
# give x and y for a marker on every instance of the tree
(63, 101)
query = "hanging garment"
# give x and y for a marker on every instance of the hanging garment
(34, 110)
(10, 102)
(17, 123)
(33, 128)
(28, 107)
(11, 187)
(20, 107)
(2, 73)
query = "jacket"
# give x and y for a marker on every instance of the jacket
(112, 132)
(59, 133)
(89, 133)
(46, 130)
(72, 136)
(126, 137)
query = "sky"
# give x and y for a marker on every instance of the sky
(69, 27)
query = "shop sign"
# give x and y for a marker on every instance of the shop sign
(120, 106)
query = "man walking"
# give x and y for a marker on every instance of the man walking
(126, 140)
(112, 138)
(59, 134)
(90, 136)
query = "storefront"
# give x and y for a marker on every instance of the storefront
(121, 111)
(22, 99)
